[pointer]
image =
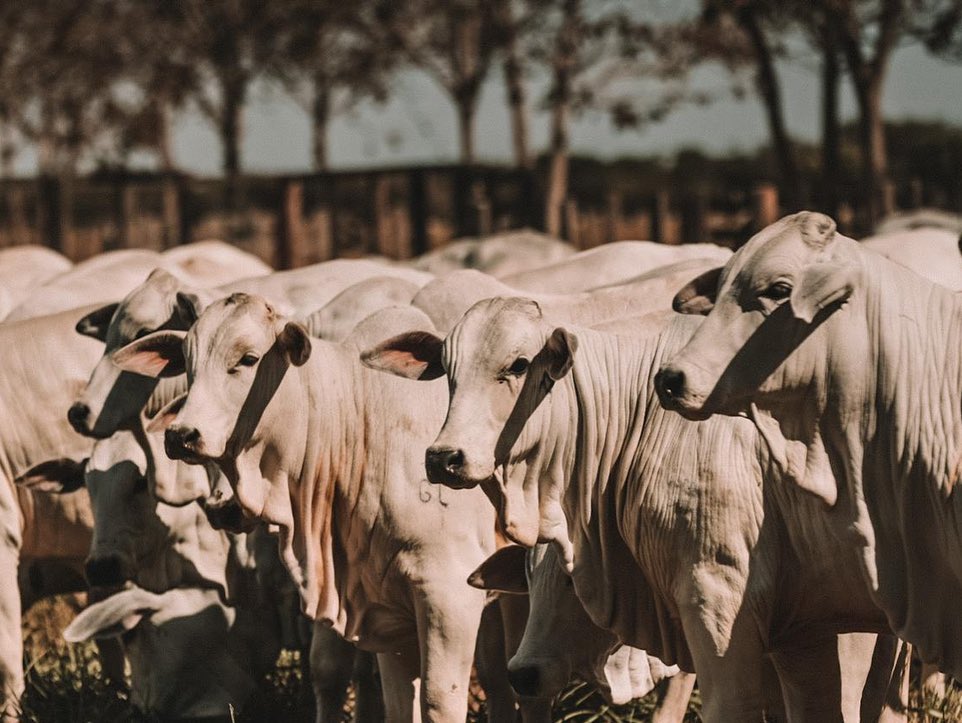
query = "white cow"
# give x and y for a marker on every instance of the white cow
(337, 318)
(212, 263)
(331, 453)
(24, 267)
(561, 641)
(501, 254)
(929, 252)
(112, 400)
(157, 548)
(43, 364)
(446, 299)
(608, 264)
(847, 364)
(558, 426)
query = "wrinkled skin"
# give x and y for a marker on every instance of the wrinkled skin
(301, 431)
(840, 358)
(560, 430)
(190, 655)
(561, 641)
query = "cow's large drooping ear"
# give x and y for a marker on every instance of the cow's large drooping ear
(112, 616)
(54, 475)
(165, 415)
(698, 296)
(559, 352)
(412, 355)
(502, 572)
(188, 307)
(160, 354)
(822, 284)
(296, 343)
(96, 322)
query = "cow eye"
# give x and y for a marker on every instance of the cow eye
(778, 291)
(519, 366)
(248, 360)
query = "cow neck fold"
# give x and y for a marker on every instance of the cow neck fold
(899, 425)
(598, 412)
(326, 476)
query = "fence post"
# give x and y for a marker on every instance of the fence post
(615, 213)
(418, 211)
(386, 245)
(660, 209)
(694, 219)
(482, 208)
(888, 197)
(293, 239)
(766, 211)
(128, 212)
(20, 231)
(573, 223)
(170, 202)
(916, 193)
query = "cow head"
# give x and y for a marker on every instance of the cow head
(189, 657)
(113, 397)
(135, 537)
(235, 356)
(560, 640)
(502, 360)
(763, 348)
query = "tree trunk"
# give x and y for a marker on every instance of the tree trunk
(320, 114)
(7, 151)
(466, 110)
(519, 112)
(566, 49)
(771, 94)
(514, 83)
(831, 132)
(872, 145)
(558, 171)
(165, 146)
(231, 133)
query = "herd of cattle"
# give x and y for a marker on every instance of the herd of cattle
(502, 456)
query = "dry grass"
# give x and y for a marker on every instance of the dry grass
(65, 685)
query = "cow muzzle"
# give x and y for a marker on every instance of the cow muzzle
(108, 571)
(446, 466)
(79, 417)
(184, 443)
(675, 394)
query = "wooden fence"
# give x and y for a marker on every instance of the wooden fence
(290, 221)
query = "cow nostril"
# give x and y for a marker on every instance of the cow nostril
(670, 383)
(454, 460)
(105, 571)
(180, 441)
(524, 680)
(78, 414)
(444, 458)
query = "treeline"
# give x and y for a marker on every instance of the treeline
(97, 80)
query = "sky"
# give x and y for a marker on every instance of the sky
(418, 123)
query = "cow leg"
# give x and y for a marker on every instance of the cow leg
(11, 641)
(731, 684)
(332, 662)
(933, 680)
(400, 683)
(673, 699)
(823, 676)
(447, 630)
(368, 698)
(491, 658)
